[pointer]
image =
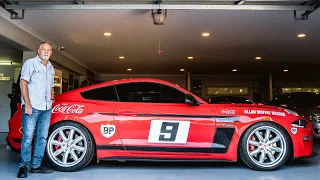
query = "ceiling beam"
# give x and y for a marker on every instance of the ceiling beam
(156, 6)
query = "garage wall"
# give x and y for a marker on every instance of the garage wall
(226, 81)
(176, 79)
(7, 53)
(287, 80)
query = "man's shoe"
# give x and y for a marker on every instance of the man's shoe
(41, 169)
(22, 172)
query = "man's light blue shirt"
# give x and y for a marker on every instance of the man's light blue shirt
(40, 82)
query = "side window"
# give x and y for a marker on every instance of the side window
(107, 93)
(149, 92)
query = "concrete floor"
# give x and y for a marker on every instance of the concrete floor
(307, 169)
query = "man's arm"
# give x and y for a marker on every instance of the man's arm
(52, 95)
(25, 95)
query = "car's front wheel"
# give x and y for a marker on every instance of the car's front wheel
(70, 146)
(265, 146)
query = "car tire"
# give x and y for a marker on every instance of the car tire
(70, 147)
(262, 152)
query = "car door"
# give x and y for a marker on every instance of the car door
(153, 118)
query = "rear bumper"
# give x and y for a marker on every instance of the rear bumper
(316, 128)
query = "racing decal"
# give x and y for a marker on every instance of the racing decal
(164, 131)
(227, 118)
(294, 130)
(155, 149)
(228, 111)
(176, 115)
(264, 112)
(68, 109)
(108, 130)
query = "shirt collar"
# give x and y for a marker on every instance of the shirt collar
(40, 61)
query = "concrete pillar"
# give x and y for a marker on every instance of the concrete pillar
(270, 87)
(28, 55)
(189, 81)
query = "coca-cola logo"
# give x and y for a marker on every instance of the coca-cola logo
(228, 111)
(68, 109)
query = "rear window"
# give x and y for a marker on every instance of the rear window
(106, 93)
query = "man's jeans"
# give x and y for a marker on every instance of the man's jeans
(38, 122)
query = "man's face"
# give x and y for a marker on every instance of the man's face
(45, 52)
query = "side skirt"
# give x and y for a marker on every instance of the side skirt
(124, 158)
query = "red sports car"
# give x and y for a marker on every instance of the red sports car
(150, 119)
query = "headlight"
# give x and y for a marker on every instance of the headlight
(301, 123)
(291, 112)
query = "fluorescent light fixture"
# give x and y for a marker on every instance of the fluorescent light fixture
(205, 34)
(234, 70)
(190, 57)
(121, 57)
(301, 35)
(107, 34)
(285, 70)
(6, 63)
(181, 70)
(129, 69)
(258, 57)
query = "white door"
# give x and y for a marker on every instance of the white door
(6, 72)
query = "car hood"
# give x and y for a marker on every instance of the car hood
(247, 106)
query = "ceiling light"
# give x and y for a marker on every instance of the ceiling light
(301, 35)
(129, 69)
(121, 57)
(6, 63)
(107, 34)
(190, 57)
(234, 70)
(258, 57)
(285, 70)
(205, 34)
(181, 70)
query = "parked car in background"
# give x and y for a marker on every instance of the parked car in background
(229, 100)
(304, 103)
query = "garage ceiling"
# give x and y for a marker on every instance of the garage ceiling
(236, 36)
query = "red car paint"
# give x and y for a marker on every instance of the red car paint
(132, 123)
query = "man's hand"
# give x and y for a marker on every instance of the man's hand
(28, 109)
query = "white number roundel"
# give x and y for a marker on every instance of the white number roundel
(166, 131)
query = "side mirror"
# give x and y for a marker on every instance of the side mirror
(284, 105)
(191, 100)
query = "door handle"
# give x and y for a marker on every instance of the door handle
(127, 113)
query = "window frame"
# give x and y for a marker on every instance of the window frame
(157, 83)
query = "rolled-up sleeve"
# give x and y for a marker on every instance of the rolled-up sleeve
(26, 71)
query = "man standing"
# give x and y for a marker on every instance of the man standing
(37, 82)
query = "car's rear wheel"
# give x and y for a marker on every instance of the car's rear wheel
(70, 146)
(265, 146)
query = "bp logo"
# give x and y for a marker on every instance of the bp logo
(108, 130)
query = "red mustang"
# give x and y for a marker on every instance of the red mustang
(150, 119)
